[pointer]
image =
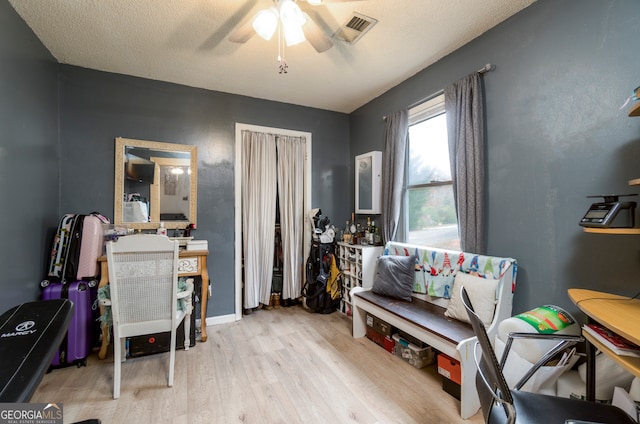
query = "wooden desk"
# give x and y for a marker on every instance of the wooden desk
(190, 263)
(618, 313)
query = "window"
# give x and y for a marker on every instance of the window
(429, 210)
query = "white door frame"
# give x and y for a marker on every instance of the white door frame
(238, 200)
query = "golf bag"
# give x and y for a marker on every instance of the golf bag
(322, 287)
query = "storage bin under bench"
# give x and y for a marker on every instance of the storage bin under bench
(424, 317)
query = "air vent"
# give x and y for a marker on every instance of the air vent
(357, 26)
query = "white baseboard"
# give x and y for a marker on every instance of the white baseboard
(220, 319)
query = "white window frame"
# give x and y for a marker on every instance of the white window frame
(419, 113)
(426, 110)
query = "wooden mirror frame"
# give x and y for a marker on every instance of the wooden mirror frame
(118, 190)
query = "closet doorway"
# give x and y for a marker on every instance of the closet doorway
(240, 190)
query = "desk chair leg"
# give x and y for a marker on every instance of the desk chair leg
(116, 368)
(172, 359)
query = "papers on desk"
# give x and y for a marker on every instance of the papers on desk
(613, 341)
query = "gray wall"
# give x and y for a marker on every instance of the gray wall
(554, 132)
(96, 107)
(58, 128)
(29, 184)
(554, 136)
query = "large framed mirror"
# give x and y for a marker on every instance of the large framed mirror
(155, 183)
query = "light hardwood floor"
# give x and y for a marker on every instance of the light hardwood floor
(283, 365)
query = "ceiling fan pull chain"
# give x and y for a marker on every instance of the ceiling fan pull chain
(282, 66)
(282, 63)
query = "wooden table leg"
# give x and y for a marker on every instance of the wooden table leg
(204, 299)
(104, 280)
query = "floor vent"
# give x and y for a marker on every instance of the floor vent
(357, 26)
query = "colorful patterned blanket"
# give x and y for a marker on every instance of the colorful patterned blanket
(437, 268)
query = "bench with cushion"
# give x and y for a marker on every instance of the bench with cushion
(417, 290)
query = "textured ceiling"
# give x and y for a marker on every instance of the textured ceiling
(185, 42)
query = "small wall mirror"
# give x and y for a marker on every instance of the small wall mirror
(155, 182)
(368, 176)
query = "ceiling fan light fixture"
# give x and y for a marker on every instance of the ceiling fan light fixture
(293, 35)
(266, 23)
(290, 14)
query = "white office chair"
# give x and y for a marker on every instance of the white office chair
(143, 278)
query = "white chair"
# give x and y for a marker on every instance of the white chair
(143, 278)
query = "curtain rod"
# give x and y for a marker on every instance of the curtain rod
(486, 68)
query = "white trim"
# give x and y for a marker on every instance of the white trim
(427, 109)
(238, 200)
(217, 320)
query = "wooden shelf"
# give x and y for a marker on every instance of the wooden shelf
(611, 230)
(635, 109)
(629, 363)
(357, 263)
(617, 313)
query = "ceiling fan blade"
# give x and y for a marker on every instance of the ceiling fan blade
(243, 33)
(315, 36)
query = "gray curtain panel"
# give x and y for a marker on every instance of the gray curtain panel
(393, 158)
(465, 127)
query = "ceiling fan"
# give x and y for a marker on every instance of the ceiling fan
(296, 26)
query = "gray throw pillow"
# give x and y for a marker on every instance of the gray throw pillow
(394, 276)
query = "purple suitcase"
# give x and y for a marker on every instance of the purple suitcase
(77, 343)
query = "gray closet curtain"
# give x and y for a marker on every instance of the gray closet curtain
(393, 158)
(465, 126)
